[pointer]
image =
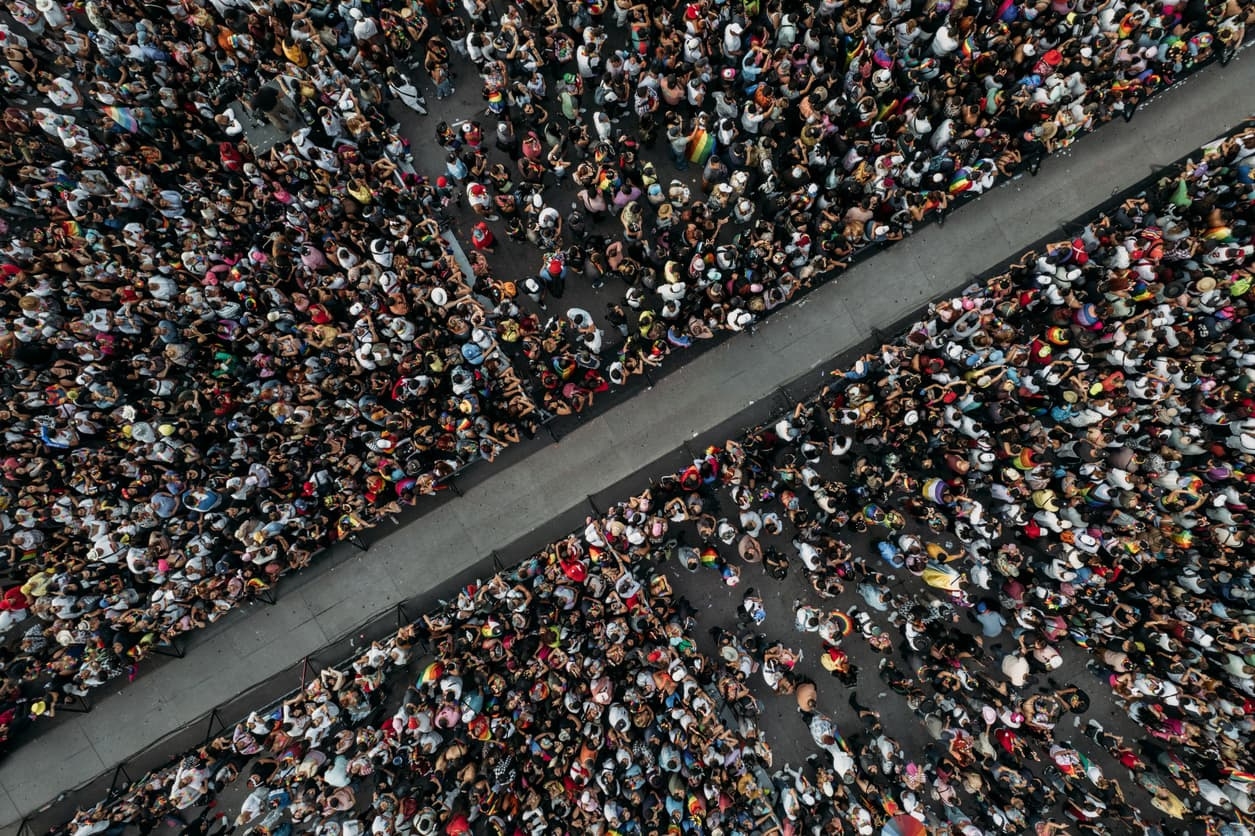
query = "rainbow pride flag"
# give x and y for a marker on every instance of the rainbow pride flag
(124, 116)
(701, 146)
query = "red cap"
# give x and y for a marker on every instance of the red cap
(442, 181)
(555, 267)
(476, 188)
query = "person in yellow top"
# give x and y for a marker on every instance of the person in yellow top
(38, 585)
(294, 52)
(1168, 803)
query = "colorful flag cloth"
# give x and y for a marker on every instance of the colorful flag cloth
(124, 116)
(701, 146)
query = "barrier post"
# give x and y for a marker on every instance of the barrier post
(789, 402)
(214, 718)
(171, 649)
(305, 666)
(120, 772)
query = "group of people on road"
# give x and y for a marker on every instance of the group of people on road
(819, 131)
(219, 357)
(1065, 454)
(222, 357)
(564, 695)
(1054, 465)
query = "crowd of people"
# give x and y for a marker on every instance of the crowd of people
(819, 131)
(219, 360)
(565, 695)
(1054, 465)
(1084, 428)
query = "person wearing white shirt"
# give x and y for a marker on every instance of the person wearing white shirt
(364, 28)
(1015, 668)
(588, 61)
(54, 14)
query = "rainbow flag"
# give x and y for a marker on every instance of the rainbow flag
(853, 52)
(701, 146)
(890, 108)
(124, 116)
(1239, 779)
(962, 181)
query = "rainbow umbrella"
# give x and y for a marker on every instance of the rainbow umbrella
(846, 623)
(431, 673)
(903, 824)
(480, 729)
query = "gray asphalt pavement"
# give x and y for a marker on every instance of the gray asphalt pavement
(523, 499)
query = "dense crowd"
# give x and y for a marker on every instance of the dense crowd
(565, 695)
(216, 361)
(1054, 465)
(819, 131)
(220, 360)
